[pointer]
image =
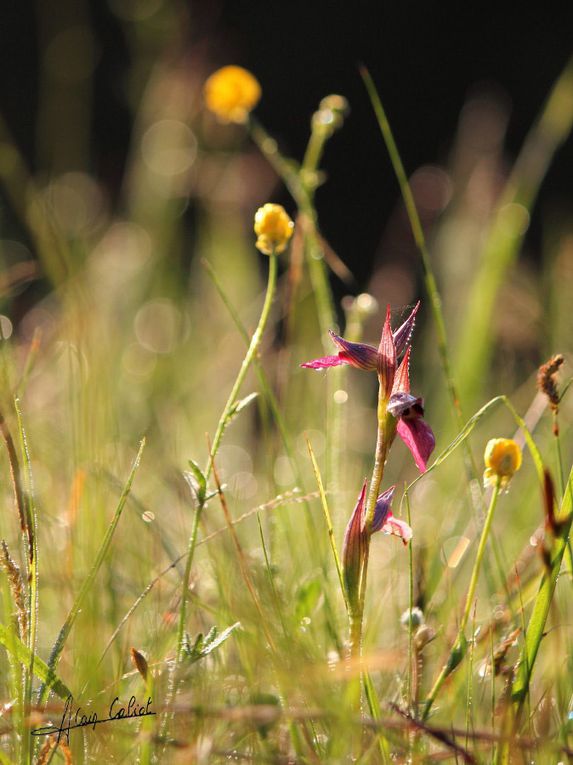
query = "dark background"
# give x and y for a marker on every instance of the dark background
(425, 58)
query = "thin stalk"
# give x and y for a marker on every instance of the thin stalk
(460, 644)
(411, 700)
(419, 238)
(32, 573)
(247, 361)
(268, 393)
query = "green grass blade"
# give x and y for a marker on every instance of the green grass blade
(538, 618)
(19, 651)
(329, 526)
(376, 714)
(31, 516)
(476, 340)
(89, 580)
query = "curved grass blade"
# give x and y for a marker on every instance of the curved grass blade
(89, 580)
(470, 425)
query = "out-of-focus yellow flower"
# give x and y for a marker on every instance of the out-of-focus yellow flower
(231, 93)
(273, 228)
(502, 459)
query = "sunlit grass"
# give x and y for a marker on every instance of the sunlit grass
(215, 551)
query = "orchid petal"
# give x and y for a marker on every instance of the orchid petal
(402, 379)
(353, 548)
(325, 362)
(397, 528)
(359, 355)
(382, 510)
(419, 438)
(387, 356)
(403, 334)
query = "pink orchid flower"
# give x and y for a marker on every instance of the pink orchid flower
(394, 381)
(356, 538)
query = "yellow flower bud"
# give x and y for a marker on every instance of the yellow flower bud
(231, 93)
(273, 228)
(502, 459)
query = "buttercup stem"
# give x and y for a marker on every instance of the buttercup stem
(480, 554)
(249, 356)
(458, 649)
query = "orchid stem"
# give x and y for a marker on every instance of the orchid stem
(384, 438)
(459, 648)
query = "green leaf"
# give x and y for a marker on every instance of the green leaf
(197, 482)
(204, 645)
(457, 654)
(240, 405)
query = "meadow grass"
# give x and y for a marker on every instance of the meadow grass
(171, 536)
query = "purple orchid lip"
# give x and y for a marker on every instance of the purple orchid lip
(398, 528)
(419, 438)
(382, 510)
(403, 404)
(385, 521)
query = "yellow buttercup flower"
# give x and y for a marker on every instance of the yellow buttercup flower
(502, 459)
(273, 228)
(231, 93)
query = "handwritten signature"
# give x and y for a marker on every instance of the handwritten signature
(79, 719)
